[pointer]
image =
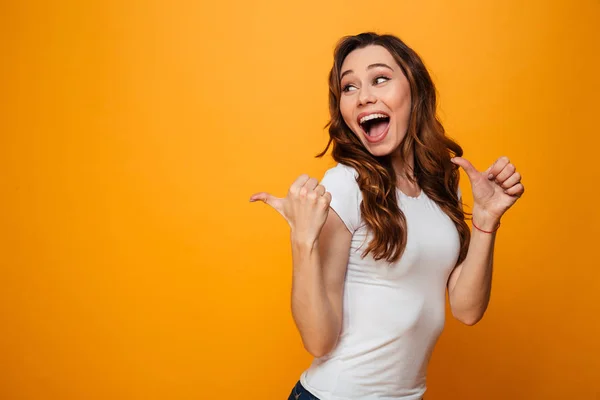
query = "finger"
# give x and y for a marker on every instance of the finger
(298, 184)
(497, 167)
(275, 202)
(511, 181)
(307, 190)
(320, 190)
(506, 173)
(325, 200)
(260, 196)
(311, 184)
(471, 171)
(516, 190)
(487, 171)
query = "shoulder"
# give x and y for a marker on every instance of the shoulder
(340, 182)
(341, 172)
(341, 179)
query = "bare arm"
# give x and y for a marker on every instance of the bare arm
(470, 284)
(320, 252)
(319, 271)
(495, 190)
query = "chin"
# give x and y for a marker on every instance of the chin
(379, 151)
(382, 149)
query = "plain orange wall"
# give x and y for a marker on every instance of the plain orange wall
(133, 133)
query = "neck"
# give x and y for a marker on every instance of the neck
(403, 167)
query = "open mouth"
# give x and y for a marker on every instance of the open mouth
(374, 124)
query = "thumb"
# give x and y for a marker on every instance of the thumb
(275, 202)
(471, 171)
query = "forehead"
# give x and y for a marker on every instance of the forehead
(358, 60)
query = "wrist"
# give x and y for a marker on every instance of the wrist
(484, 222)
(303, 244)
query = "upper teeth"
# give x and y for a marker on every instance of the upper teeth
(370, 117)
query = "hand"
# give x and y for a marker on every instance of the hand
(495, 190)
(305, 207)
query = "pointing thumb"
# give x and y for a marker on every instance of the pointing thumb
(467, 166)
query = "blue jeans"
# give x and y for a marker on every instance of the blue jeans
(300, 393)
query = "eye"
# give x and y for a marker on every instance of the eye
(381, 77)
(347, 88)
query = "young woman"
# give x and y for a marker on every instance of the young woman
(369, 278)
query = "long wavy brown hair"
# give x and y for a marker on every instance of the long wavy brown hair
(433, 171)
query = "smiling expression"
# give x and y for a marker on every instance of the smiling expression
(375, 100)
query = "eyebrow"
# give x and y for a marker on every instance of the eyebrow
(368, 68)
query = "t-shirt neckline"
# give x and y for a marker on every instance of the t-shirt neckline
(419, 196)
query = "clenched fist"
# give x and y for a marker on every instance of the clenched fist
(305, 207)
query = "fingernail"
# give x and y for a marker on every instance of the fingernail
(490, 176)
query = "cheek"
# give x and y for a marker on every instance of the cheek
(405, 99)
(405, 106)
(400, 98)
(396, 94)
(402, 108)
(346, 112)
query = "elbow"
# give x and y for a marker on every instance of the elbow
(315, 352)
(469, 319)
(468, 314)
(318, 350)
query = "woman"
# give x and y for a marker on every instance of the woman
(369, 279)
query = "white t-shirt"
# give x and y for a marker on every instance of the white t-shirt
(393, 314)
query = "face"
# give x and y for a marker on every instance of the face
(375, 100)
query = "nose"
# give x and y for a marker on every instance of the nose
(365, 97)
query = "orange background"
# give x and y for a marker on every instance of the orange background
(133, 133)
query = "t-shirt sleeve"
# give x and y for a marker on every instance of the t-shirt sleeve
(340, 181)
